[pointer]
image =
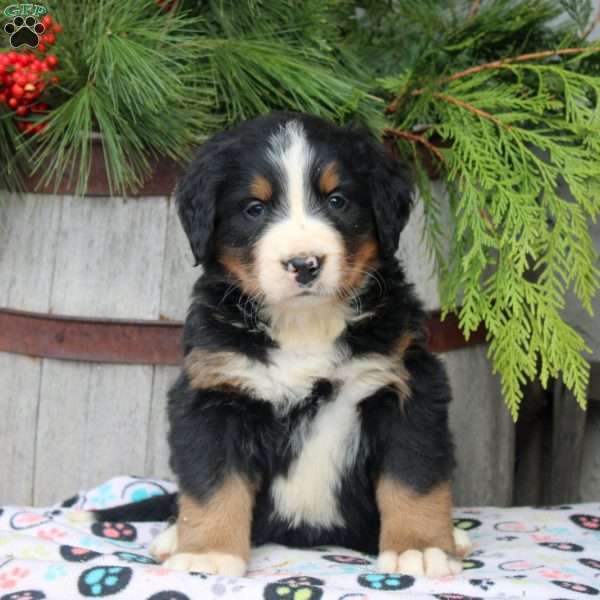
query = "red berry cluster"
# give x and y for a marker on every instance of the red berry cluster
(25, 75)
(51, 29)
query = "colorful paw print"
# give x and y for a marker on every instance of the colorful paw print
(169, 596)
(124, 532)
(135, 558)
(346, 560)
(471, 563)
(466, 524)
(104, 581)
(27, 520)
(51, 534)
(586, 521)
(9, 579)
(515, 527)
(78, 554)
(564, 546)
(53, 572)
(386, 581)
(455, 597)
(294, 588)
(592, 563)
(25, 595)
(576, 587)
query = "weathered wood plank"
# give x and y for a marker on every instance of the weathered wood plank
(28, 238)
(484, 431)
(589, 483)
(93, 425)
(19, 385)
(109, 257)
(157, 454)
(179, 274)
(567, 446)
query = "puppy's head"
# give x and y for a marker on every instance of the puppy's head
(296, 209)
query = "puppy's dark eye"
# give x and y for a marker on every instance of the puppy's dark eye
(255, 209)
(336, 201)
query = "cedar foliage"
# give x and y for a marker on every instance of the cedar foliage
(493, 95)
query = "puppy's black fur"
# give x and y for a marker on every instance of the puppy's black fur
(216, 433)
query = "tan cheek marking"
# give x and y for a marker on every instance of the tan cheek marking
(243, 272)
(414, 521)
(362, 260)
(212, 371)
(222, 524)
(329, 179)
(260, 188)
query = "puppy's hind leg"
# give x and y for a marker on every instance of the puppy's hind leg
(213, 536)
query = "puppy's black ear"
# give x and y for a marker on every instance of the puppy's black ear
(390, 188)
(197, 194)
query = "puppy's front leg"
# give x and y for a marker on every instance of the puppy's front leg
(417, 536)
(213, 536)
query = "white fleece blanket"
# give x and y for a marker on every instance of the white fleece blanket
(549, 553)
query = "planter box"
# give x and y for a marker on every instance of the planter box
(69, 424)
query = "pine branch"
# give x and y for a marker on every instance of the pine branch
(496, 64)
(415, 137)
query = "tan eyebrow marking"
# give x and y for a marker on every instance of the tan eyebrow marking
(329, 178)
(260, 188)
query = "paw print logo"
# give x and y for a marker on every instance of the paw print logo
(24, 31)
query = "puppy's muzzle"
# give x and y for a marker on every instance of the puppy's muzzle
(305, 268)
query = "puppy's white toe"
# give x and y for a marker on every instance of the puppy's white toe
(462, 542)
(215, 563)
(432, 562)
(410, 562)
(164, 544)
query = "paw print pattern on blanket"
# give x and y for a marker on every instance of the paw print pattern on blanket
(518, 553)
(564, 546)
(25, 595)
(294, 588)
(587, 521)
(104, 581)
(577, 587)
(123, 532)
(10, 578)
(387, 582)
(78, 554)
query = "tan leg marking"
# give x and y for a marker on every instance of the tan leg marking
(214, 536)
(417, 533)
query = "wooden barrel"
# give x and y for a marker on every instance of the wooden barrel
(70, 424)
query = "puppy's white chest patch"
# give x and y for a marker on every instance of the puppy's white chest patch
(292, 372)
(327, 447)
(326, 450)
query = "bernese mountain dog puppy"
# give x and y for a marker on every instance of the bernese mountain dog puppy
(308, 411)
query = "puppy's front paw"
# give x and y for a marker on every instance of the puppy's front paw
(215, 563)
(164, 544)
(432, 562)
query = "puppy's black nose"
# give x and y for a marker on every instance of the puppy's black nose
(306, 268)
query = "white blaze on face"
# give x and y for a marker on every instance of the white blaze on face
(296, 232)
